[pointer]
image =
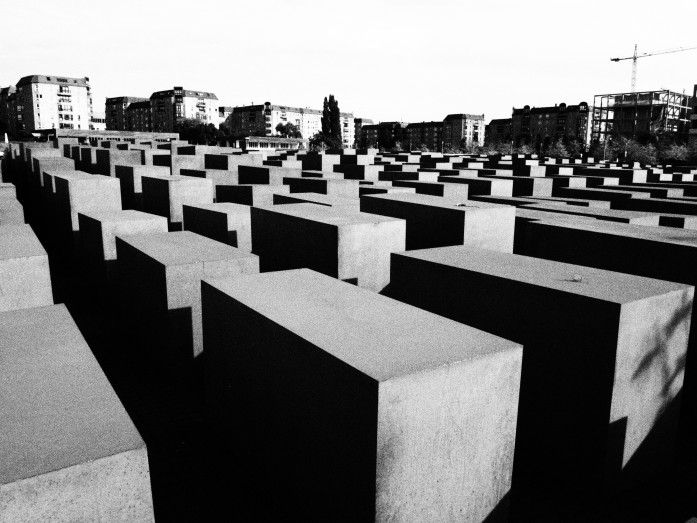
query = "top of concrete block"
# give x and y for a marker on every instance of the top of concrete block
(183, 248)
(222, 207)
(437, 201)
(58, 408)
(329, 215)
(660, 234)
(19, 241)
(378, 336)
(608, 286)
(108, 216)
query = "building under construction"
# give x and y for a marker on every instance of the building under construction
(642, 116)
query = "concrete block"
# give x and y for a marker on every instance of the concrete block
(603, 361)
(599, 194)
(334, 188)
(77, 193)
(25, 277)
(165, 196)
(348, 245)
(228, 162)
(228, 223)
(249, 194)
(11, 212)
(664, 253)
(160, 289)
(266, 175)
(482, 186)
(657, 205)
(98, 231)
(613, 215)
(131, 185)
(348, 204)
(108, 159)
(70, 450)
(528, 185)
(380, 408)
(446, 190)
(433, 221)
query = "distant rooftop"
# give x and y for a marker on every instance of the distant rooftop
(185, 92)
(126, 99)
(463, 116)
(562, 107)
(58, 80)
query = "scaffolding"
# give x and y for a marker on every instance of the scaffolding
(641, 115)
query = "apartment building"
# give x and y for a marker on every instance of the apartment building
(223, 113)
(139, 117)
(463, 130)
(384, 135)
(174, 105)
(358, 124)
(541, 126)
(428, 135)
(47, 102)
(116, 111)
(262, 120)
(498, 131)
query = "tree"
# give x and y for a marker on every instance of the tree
(575, 149)
(557, 150)
(674, 153)
(288, 130)
(196, 131)
(331, 124)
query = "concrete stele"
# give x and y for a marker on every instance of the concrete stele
(25, 278)
(388, 411)
(160, 290)
(348, 245)
(70, 450)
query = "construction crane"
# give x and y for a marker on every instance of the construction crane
(644, 55)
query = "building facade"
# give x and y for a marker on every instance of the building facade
(262, 120)
(358, 124)
(115, 110)
(463, 130)
(642, 115)
(498, 131)
(384, 135)
(542, 126)
(692, 136)
(425, 135)
(139, 117)
(170, 107)
(47, 102)
(8, 120)
(223, 113)
(98, 123)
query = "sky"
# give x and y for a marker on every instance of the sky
(386, 60)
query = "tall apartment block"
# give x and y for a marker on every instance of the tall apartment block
(425, 134)
(223, 113)
(261, 120)
(498, 131)
(640, 115)
(47, 102)
(463, 129)
(358, 124)
(692, 136)
(116, 111)
(172, 106)
(139, 117)
(541, 126)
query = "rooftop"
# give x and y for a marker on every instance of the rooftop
(57, 80)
